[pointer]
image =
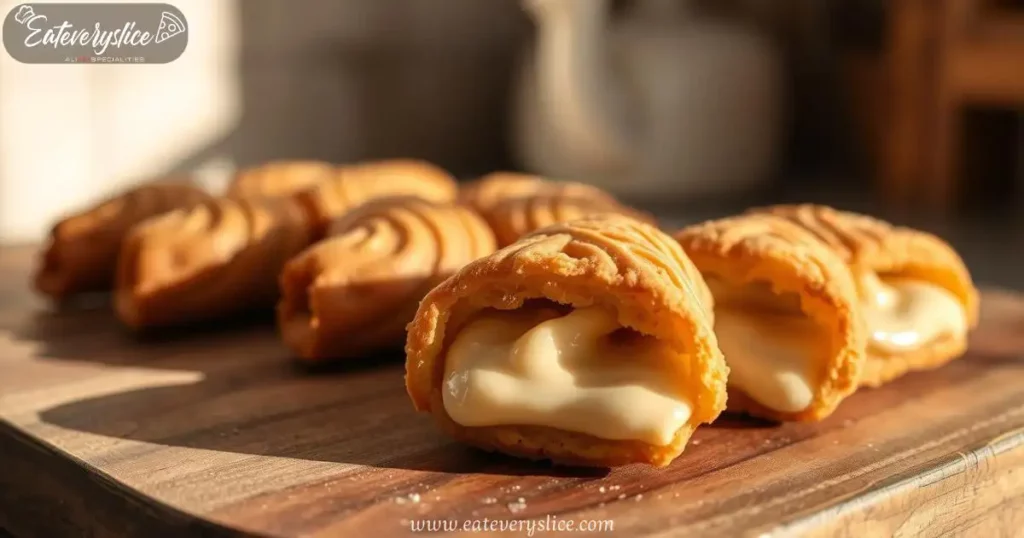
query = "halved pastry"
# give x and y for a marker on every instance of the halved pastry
(82, 253)
(356, 290)
(242, 244)
(916, 295)
(586, 342)
(279, 178)
(218, 258)
(785, 315)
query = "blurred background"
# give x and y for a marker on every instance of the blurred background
(906, 109)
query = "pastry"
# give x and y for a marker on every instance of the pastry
(218, 258)
(354, 184)
(515, 204)
(515, 217)
(785, 315)
(279, 178)
(588, 342)
(82, 252)
(241, 244)
(355, 291)
(916, 295)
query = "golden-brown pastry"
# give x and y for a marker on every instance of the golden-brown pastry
(516, 217)
(279, 178)
(588, 342)
(242, 244)
(355, 291)
(487, 192)
(82, 254)
(515, 204)
(354, 184)
(218, 258)
(785, 315)
(916, 295)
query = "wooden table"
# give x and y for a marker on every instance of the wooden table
(220, 434)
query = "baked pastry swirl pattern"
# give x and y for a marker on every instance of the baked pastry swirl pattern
(243, 243)
(82, 252)
(354, 184)
(608, 284)
(279, 178)
(786, 315)
(916, 294)
(515, 204)
(355, 291)
(221, 257)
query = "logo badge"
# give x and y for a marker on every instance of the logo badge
(95, 33)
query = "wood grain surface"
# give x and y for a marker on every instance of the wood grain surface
(217, 432)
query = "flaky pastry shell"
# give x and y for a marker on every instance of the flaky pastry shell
(355, 291)
(515, 204)
(279, 178)
(218, 258)
(516, 217)
(868, 244)
(351, 185)
(487, 192)
(751, 249)
(608, 260)
(82, 251)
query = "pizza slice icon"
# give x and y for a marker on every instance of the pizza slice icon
(170, 26)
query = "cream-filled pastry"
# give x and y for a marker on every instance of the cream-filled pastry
(916, 297)
(588, 342)
(785, 315)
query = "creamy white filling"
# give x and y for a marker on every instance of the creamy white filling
(904, 314)
(771, 356)
(576, 372)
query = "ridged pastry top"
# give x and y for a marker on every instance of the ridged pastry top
(279, 178)
(354, 184)
(127, 209)
(83, 246)
(515, 217)
(870, 244)
(218, 256)
(607, 260)
(486, 193)
(365, 279)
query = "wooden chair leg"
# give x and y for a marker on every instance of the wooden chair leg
(908, 76)
(944, 158)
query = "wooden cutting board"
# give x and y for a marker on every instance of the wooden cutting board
(219, 433)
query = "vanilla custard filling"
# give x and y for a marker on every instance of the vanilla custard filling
(904, 314)
(772, 348)
(576, 372)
